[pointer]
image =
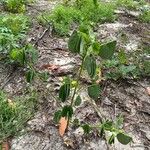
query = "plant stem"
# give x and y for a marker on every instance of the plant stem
(76, 87)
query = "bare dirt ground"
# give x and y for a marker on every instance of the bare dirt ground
(126, 96)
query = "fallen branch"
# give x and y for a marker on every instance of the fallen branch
(42, 35)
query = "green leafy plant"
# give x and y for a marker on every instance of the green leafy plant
(83, 42)
(13, 29)
(14, 6)
(14, 114)
(120, 67)
(65, 17)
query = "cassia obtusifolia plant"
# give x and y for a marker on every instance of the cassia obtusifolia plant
(83, 42)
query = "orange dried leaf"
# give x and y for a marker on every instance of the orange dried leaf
(148, 90)
(63, 125)
(5, 146)
(50, 67)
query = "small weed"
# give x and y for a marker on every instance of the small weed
(14, 114)
(132, 65)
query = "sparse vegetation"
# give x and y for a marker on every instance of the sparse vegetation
(130, 4)
(65, 16)
(14, 113)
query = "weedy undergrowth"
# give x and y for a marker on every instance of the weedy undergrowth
(13, 29)
(15, 6)
(70, 14)
(145, 15)
(130, 4)
(83, 42)
(14, 113)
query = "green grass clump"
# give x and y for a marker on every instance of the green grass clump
(145, 16)
(14, 114)
(13, 29)
(16, 24)
(64, 17)
(14, 6)
(130, 4)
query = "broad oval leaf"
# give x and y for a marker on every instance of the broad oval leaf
(94, 91)
(107, 50)
(64, 92)
(90, 65)
(78, 101)
(96, 47)
(75, 42)
(57, 116)
(30, 76)
(67, 111)
(108, 125)
(124, 139)
(86, 129)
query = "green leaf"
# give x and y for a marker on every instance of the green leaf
(125, 70)
(78, 101)
(67, 111)
(108, 125)
(94, 91)
(102, 131)
(90, 65)
(124, 139)
(122, 57)
(32, 52)
(64, 92)
(95, 2)
(86, 129)
(96, 47)
(74, 43)
(18, 55)
(111, 139)
(57, 116)
(107, 50)
(30, 76)
(76, 122)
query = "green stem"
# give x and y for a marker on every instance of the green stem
(78, 79)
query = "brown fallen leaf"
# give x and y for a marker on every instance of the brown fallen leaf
(62, 125)
(50, 67)
(5, 146)
(148, 90)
